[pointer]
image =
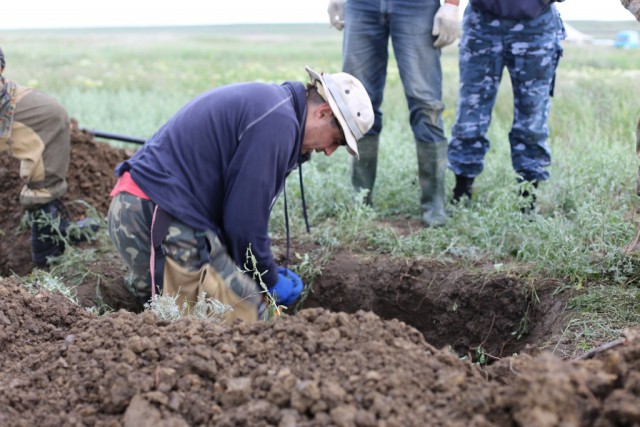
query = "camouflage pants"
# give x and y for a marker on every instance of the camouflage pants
(40, 138)
(530, 50)
(129, 223)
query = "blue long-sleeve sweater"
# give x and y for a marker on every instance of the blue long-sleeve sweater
(220, 162)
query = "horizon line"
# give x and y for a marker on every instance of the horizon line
(225, 24)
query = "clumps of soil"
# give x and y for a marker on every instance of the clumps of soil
(64, 366)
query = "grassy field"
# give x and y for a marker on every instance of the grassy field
(605, 29)
(130, 81)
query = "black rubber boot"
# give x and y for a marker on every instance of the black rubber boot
(46, 242)
(530, 198)
(462, 188)
(51, 229)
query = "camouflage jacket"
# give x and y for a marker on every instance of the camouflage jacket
(7, 105)
(632, 6)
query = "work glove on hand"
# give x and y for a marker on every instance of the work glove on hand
(446, 25)
(336, 13)
(288, 287)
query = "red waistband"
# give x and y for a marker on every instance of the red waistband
(125, 183)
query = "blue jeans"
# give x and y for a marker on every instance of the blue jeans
(368, 26)
(530, 50)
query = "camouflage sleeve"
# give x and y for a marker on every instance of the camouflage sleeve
(7, 106)
(632, 6)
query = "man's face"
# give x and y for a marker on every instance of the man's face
(322, 131)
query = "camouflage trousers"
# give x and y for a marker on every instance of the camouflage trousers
(39, 136)
(530, 50)
(129, 223)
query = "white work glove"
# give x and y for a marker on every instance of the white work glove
(336, 13)
(446, 25)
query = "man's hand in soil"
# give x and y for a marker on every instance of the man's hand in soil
(288, 287)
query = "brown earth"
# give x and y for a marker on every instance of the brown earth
(395, 349)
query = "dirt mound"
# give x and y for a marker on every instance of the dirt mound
(90, 179)
(63, 366)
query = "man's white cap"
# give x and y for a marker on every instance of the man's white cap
(349, 102)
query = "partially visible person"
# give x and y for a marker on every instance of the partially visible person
(201, 189)
(34, 128)
(634, 244)
(523, 37)
(633, 6)
(418, 30)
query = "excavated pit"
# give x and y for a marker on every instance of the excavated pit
(473, 313)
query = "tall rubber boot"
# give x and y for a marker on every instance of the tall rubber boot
(45, 241)
(432, 163)
(363, 171)
(529, 196)
(463, 188)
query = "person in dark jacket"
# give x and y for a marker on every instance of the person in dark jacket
(523, 36)
(216, 168)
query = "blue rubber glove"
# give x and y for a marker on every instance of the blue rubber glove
(288, 287)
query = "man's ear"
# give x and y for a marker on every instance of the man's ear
(325, 110)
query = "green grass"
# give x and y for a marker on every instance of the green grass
(131, 80)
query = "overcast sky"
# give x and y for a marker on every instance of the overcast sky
(23, 14)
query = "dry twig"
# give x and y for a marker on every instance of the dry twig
(627, 336)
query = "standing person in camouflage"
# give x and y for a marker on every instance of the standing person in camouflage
(523, 36)
(34, 128)
(418, 29)
(211, 175)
